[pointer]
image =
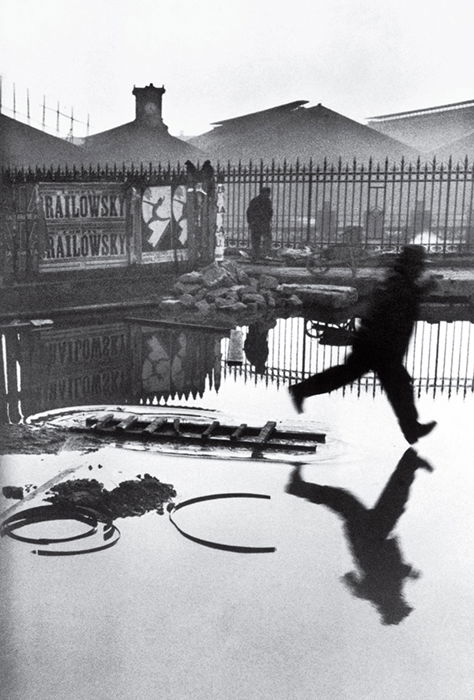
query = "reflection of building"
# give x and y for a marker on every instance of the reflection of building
(100, 364)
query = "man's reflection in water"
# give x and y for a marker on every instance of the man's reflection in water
(256, 344)
(381, 569)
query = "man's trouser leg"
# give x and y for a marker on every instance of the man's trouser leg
(255, 237)
(333, 378)
(398, 386)
(267, 242)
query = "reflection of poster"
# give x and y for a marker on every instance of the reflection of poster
(178, 363)
(78, 365)
(162, 369)
(164, 231)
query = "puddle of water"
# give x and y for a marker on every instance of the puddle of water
(160, 614)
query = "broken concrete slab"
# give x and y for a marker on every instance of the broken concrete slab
(331, 296)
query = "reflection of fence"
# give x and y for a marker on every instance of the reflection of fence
(393, 204)
(439, 358)
(45, 369)
(115, 363)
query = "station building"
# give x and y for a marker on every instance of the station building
(144, 140)
(22, 145)
(294, 131)
(441, 131)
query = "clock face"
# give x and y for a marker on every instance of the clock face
(150, 108)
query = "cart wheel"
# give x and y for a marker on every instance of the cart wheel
(317, 264)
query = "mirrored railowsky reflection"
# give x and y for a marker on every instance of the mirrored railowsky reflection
(129, 363)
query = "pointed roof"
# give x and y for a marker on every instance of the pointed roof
(430, 128)
(262, 114)
(22, 145)
(293, 131)
(136, 142)
(457, 150)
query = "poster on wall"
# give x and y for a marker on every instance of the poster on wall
(220, 231)
(164, 224)
(85, 225)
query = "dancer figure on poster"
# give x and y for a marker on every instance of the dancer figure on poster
(380, 344)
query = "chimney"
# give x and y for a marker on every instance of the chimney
(148, 105)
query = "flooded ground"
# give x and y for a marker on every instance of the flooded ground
(340, 609)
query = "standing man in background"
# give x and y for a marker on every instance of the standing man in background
(259, 219)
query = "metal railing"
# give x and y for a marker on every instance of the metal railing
(389, 204)
(386, 204)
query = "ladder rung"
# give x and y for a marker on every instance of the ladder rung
(155, 425)
(104, 421)
(210, 429)
(266, 431)
(238, 431)
(127, 423)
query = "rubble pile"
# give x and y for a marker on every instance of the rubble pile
(133, 497)
(228, 288)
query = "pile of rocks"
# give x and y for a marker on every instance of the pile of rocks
(226, 287)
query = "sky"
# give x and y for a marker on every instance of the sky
(223, 58)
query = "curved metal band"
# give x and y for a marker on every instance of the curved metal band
(108, 534)
(41, 514)
(219, 545)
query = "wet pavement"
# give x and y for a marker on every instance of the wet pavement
(340, 609)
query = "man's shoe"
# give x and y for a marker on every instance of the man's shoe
(419, 431)
(296, 399)
(425, 428)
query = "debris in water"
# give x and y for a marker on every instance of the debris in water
(129, 498)
(15, 492)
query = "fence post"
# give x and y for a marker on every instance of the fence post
(310, 201)
(446, 214)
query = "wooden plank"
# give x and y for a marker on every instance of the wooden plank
(209, 430)
(104, 421)
(235, 435)
(177, 324)
(155, 425)
(267, 430)
(127, 423)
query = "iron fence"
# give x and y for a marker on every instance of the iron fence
(387, 205)
(317, 205)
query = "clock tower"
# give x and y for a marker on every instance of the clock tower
(148, 105)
